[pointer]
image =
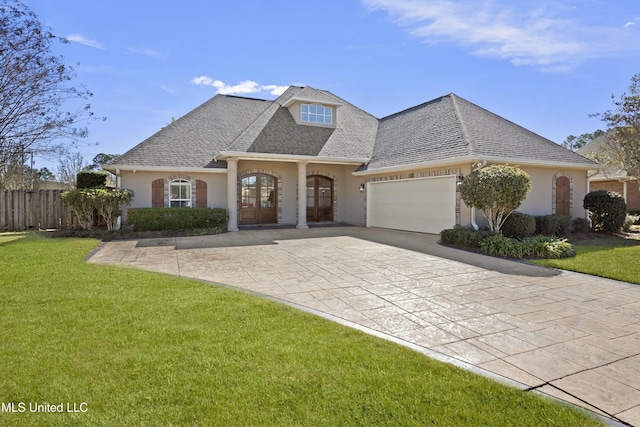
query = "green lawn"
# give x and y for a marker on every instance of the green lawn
(140, 348)
(614, 257)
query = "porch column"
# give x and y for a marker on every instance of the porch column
(302, 195)
(232, 194)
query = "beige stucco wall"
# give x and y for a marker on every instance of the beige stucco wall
(541, 199)
(140, 183)
(349, 202)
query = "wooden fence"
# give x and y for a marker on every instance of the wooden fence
(40, 209)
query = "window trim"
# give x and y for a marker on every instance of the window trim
(185, 202)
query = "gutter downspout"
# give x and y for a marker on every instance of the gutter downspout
(473, 210)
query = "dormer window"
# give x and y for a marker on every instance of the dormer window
(316, 113)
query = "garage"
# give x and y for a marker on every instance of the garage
(426, 205)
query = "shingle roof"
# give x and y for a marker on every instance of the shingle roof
(596, 146)
(276, 131)
(451, 127)
(446, 128)
(192, 140)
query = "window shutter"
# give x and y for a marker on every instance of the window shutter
(201, 194)
(157, 193)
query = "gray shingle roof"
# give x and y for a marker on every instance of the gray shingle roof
(597, 147)
(451, 127)
(192, 140)
(446, 128)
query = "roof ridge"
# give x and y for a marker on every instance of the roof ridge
(465, 132)
(415, 107)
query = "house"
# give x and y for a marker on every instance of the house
(311, 157)
(612, 178)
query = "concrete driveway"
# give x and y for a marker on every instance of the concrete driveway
(569, 335)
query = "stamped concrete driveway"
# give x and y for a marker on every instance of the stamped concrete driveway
(571, 336)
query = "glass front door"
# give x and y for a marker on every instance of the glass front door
(319, 198)
(258, 200)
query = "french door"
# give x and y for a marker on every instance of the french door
(258, 199)
(319, 198)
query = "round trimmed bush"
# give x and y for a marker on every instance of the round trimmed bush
(519, 225)
(607, 210)
(581, 225)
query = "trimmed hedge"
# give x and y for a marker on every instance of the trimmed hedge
(91, 179)
(519, 225)
(553, 225)
(581, 225)
(465, 237)
(160, 219)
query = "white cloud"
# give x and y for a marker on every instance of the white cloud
(242, 88)
(526, 33)
(147, 52)
(78, 38)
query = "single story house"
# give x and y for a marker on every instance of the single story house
(612, 178)
(311, 157)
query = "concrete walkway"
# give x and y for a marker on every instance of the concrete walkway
(571, 336)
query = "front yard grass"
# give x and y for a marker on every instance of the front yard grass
(613, 257)
(140, 348)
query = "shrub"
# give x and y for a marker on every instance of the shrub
(530, 247)
(91, 179)
(500, 245)
(553, 225)
(158, 219)
(464, 237)
(496, 190)
(607, 210)
(548, 247)
(519, 225)
(82, 204)
(581, 225)
(107, 202)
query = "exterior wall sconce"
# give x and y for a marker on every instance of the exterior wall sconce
(459, 179)
(362, 187)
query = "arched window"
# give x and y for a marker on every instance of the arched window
(180, 193)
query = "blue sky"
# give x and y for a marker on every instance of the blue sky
(545, 65)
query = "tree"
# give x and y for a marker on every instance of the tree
(44, 174)
(573, 142)
(622, 144)
(497, 191)
(101, 159)
(39, 107)
(69, 166)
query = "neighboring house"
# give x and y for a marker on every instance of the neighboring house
(611, 178)
(311, 157)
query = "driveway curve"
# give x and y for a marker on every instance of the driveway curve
(568, 335)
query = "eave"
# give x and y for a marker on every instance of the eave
(470, 160)
(116, 169)
(270, 157)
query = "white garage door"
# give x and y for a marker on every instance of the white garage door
(426, 205)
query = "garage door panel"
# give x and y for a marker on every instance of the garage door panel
(425, 205)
